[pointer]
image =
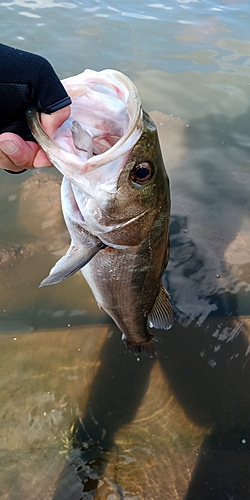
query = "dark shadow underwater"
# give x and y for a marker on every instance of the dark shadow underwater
(204, 357)
(208, 371)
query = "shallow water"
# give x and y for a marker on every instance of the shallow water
(176, 427)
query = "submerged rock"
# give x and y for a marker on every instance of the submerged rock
(40, 212)
(42, 375)
(172, 134)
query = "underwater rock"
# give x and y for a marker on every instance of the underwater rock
(171, 131)
(42, 375)
(40, 211)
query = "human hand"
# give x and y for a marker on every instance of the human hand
(16, 154)
(27, 80)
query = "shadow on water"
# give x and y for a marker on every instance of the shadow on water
(204, 357)
(206, 367)
(217, 398)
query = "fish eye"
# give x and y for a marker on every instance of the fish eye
(142, 173)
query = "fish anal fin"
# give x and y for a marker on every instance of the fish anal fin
(70, 263)
(147, 347)
(161, 315)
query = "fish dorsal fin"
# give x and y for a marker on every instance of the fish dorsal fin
(70, 263)
(81, 138)
(161, 315)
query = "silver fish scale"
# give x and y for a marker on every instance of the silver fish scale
(125, 287)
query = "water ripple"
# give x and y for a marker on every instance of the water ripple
(39, 4)
(137, 16)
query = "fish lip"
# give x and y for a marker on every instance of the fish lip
(134, 110)
(92, 163)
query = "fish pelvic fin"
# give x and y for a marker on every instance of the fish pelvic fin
(70, 263)
(147, 347)
(161, 315)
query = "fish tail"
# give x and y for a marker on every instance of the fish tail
(147, 347)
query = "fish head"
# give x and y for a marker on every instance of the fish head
(122, 214)
(119, 182)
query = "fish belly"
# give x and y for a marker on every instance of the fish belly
(118, 280)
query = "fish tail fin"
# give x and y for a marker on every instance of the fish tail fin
(147, 347)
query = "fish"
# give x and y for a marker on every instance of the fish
(116, 203)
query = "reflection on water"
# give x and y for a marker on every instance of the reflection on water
(80, 417)
(39, 4)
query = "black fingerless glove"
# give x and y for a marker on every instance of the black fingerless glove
(27, 80)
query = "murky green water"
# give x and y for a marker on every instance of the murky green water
(80, 417)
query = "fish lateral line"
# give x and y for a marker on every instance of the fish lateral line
(74, 260)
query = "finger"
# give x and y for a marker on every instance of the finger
(41, 160)
(7, 164)
(51, 123)
(15, 153)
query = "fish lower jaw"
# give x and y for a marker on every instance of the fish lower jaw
(145, 347)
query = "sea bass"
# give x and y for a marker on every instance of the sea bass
(115, 201)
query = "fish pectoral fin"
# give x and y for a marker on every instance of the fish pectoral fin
(70, 263)
(161, 315)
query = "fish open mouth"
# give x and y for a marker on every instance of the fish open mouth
(108, 107)
(107, 110)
